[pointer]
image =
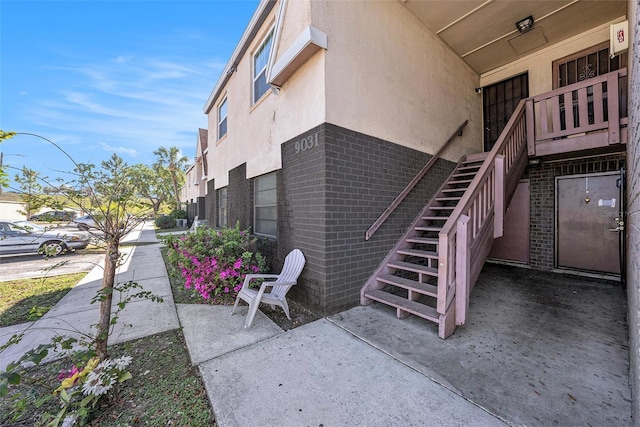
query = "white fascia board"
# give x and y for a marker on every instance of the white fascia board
(257, 20)
(306, 45)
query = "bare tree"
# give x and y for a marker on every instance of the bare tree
(108, 193)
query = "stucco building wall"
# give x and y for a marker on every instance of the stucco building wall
(255, 131)
(390, 77)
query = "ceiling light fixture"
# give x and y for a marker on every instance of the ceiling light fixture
(525, 25)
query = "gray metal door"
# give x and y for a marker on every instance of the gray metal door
(587, 222)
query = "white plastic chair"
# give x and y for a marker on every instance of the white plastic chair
(293, 265)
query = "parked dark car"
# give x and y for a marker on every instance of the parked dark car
(54, 216)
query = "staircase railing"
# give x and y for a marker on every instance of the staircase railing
(465, 240)
(383, 217)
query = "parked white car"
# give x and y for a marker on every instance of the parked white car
(85, 222)
(18, 237)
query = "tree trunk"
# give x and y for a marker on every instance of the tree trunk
(108, 279)
(176, 191)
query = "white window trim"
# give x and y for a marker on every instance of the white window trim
(221, 119)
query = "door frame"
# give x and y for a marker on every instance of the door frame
(556, 222)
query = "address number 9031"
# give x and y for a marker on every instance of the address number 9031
(307, 143)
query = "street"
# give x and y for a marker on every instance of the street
(14, 267)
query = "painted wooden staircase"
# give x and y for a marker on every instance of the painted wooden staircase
(431, 270)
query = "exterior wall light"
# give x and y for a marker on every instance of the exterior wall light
(525, 25)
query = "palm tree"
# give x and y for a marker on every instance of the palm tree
(170, 162)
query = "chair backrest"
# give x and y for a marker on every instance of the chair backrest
(293, 265)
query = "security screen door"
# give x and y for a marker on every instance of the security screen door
(499, 100)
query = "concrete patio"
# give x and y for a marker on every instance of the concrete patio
(540, 349)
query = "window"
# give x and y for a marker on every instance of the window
(586, 64)
(222, 207)
(260, 60)
(265, 201)
(222, 119)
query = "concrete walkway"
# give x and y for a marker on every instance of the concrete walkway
(360, 367)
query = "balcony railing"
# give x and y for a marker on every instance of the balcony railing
(582, 116)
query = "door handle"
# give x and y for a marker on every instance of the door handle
(620, 226)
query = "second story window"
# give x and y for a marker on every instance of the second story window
(222, 119)
(260, 60)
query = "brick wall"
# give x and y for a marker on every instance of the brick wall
(211, 210)
(632, 218)
(302, 212)
(542, 187)
(201, 208)
(335, 183)
(239, 198)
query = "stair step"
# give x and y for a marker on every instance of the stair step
(412, 307)
(476, 158)
(448, 199)
(461, 181)
(411, 285)
(453, 190)
(435, 229)
(422, 240)
(442, 208)
(423, 269)
(467, 168)
(435, 218)
(418, 253)
(457, 175)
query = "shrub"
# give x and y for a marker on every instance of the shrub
(178, 214)
(164, 222)
(215, 262)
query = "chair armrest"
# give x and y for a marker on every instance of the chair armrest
(250, 277)
(259, 276)
(264, 285)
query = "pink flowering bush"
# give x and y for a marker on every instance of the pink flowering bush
(214, 262)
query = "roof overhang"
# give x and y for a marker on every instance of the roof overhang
(484, 34)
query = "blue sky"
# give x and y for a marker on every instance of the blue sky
(103, 77)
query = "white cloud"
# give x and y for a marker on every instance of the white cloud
(132, 101)
(121, 150)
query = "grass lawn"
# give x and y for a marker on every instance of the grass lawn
(24, 300)
(165, 390)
